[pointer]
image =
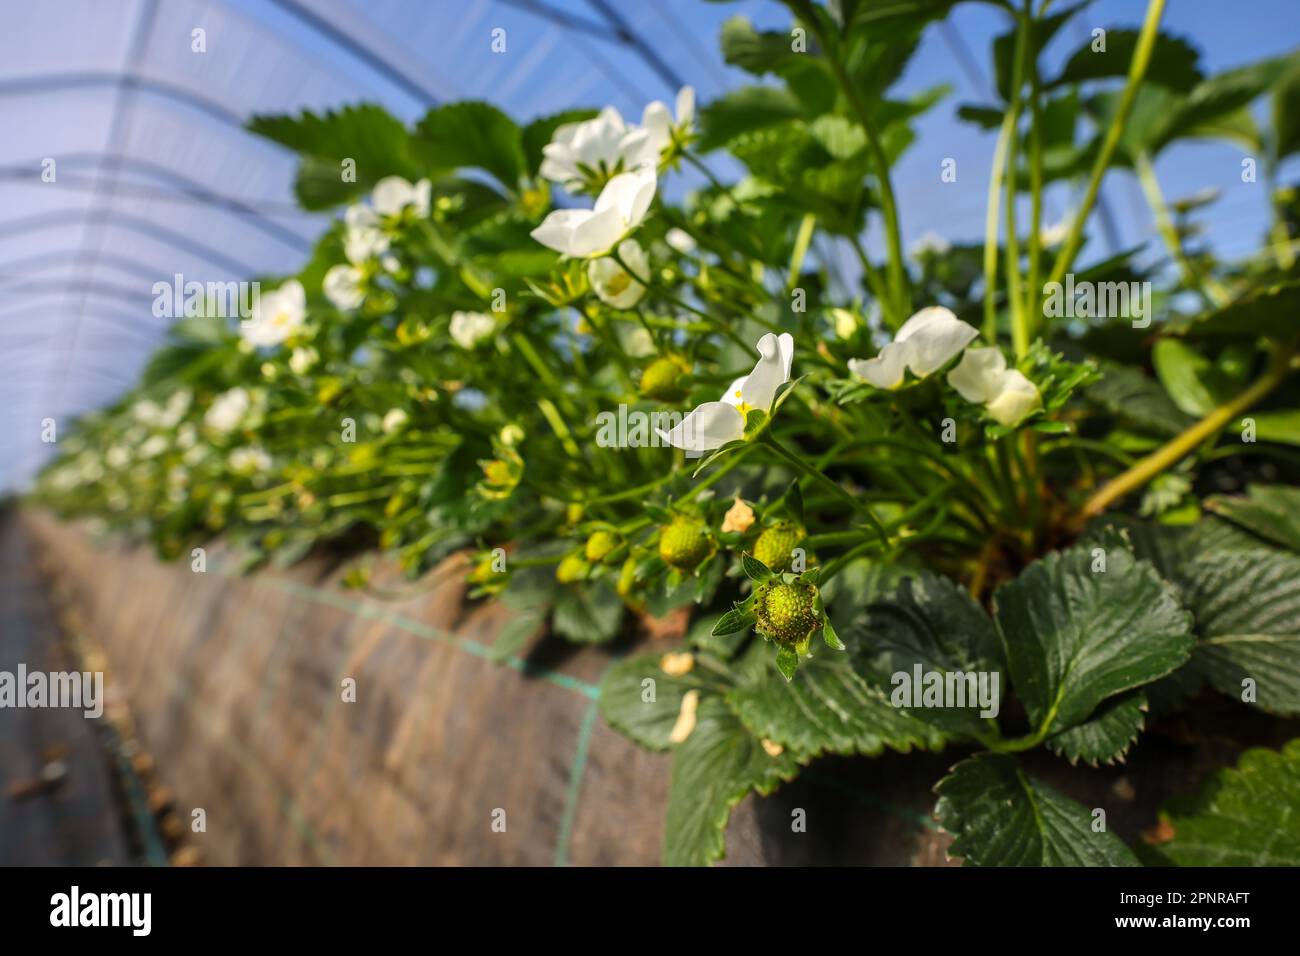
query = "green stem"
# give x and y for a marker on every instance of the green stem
(877, 285)
(1179, 447)
(830, 44)
(799, 464)
(1019, 329)
(991, 232)
(1137, 69)
(801, 242)
(1146, 174)
(1033, 292)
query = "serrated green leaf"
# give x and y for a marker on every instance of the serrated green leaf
(471, 134)
(1173, 62)
(1000, 816)
(1189, 378)
(1247, 607)
(1246, 816)
(588, 614)
(830, 708)
(625, 705)
(713, 770)
(1073, 636)
(1281, 426)
(1270, 511)
(1268, 313)
(928, 621)
(745, 110)
(376, 142)
(1106, 736)
(1128, 394)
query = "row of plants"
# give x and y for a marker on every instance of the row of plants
(512, 341)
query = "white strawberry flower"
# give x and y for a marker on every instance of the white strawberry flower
(249, 461)
(664, 131)
(613, 284)
(394, 419)
(982, 377)
(228, 410)
(363, 239)
(302, 359)
(177, 405)
(154, 446)
(344, 287)
(147, 412)
(680, 240)
(276, 315)
(713, 424)
(586, 155)
(590, 233)
(925, 343)
(393, 194)
(470, 329)
(930, 243)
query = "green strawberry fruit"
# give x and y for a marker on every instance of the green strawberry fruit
(775, 546)
(665, 379)
(684, 543)
(786, 613)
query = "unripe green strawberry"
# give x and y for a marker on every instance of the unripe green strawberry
(664, 379)
(684, 543)
(786, 612)
(572, 568)
(600, 544)
(775, 546)
(627, 576)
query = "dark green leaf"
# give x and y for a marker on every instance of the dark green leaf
(644, 712)
(929, 622)
(744, 110)
(1173, 61)
(588, 614)
(1247, 607)
(367, 134)
(713, 770)
(1074, 636)
(1106, 736)
(1270, 511)
(1190, 379)
(1000, 816)
(1133, 397)
(830, 708)
(1245, 816)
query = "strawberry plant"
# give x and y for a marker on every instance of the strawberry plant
(1001, 499)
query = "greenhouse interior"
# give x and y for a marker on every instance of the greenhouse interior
(597, 433)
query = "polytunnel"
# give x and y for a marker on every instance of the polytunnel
(584, 433)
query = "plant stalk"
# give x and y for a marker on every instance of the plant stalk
(1137, 69)
(1179, 447)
